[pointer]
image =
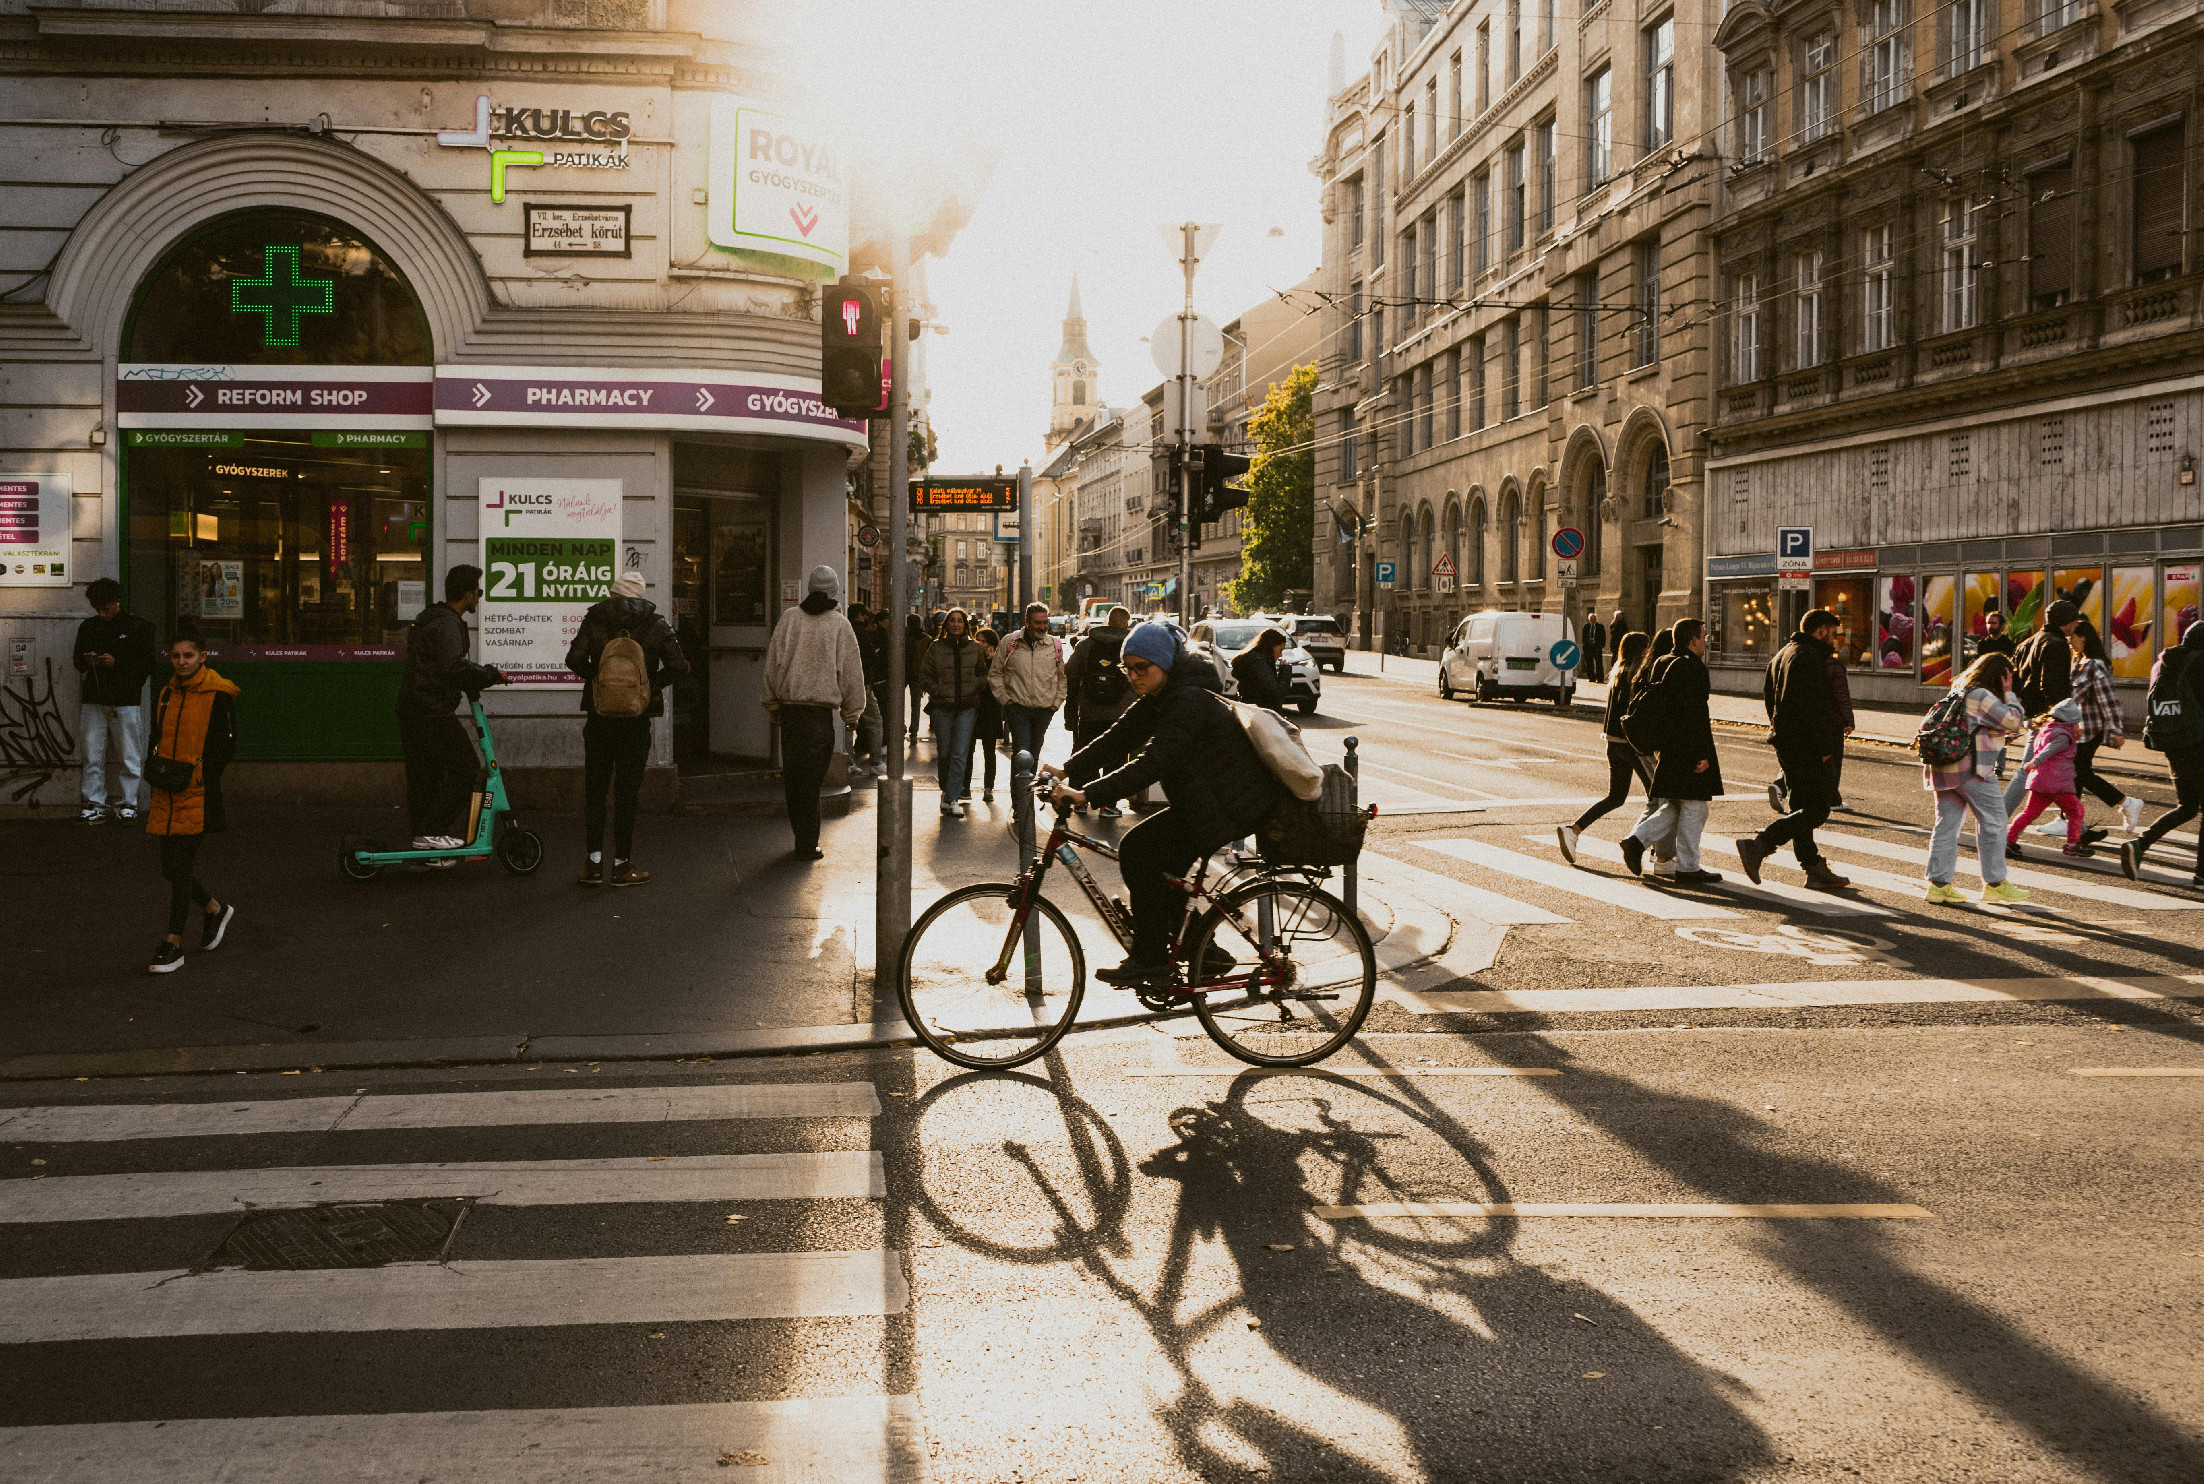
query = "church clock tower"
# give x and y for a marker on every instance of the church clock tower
(1072, 375)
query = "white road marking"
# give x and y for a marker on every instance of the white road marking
(2090, 891)
(1386, 1072)
(1657, 1210)
(72, 1123)
(547, 1182)
(830, 1440)
(1779, 894)
(458, 1295)
(1555, 874)
(1427, 780)
(1792, 994)
(2138, 1072)
(1456, 898)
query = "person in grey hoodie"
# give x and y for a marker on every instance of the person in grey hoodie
(813, 668)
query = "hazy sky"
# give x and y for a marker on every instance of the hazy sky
(1111, 119)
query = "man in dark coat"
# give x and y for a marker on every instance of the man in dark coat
(616, 749)
(1593, 638)
(1687, 774)
(1806, 727)
(1188, 740)
(441, 761)
(115, 657)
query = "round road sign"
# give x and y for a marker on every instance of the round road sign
(1564, 654)
(1204, 339)
(1568, 543)
(868, 535)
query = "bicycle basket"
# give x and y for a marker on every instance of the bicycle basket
(1328, 832)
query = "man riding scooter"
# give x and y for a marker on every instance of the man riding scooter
(441, 762)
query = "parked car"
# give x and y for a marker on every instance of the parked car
(1228, 636)
(1318, 634)
(1508, 656)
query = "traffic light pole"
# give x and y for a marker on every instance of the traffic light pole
(1025, 540)
(892, 881)
(1186, 435)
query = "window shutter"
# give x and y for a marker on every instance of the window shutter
(2051, 237)
(2158, 202)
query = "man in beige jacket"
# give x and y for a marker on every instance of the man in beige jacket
(1028, 677)
(812, 669)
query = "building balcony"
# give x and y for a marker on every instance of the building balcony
(2150, 311)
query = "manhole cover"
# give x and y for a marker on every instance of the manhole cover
(341, 1236)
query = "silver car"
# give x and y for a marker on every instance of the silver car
(1318, 634)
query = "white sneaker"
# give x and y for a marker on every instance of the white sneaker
(2132, 808)
(1665, 867)
(960, 808)
(1568, 843)
(426, 842)
(2055, 828)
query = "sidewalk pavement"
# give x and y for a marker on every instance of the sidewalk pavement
(733, 947)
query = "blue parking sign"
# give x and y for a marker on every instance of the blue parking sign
(1564, 654)
(1383, 571)
(1794, 544)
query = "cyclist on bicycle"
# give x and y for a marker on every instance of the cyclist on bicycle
(1189, 741)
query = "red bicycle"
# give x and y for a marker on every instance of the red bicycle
(1279, 972)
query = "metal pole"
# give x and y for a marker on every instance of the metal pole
(1025, 540)
(1354, 774)
(1022, 807)
(1186, 436)
(892, 873)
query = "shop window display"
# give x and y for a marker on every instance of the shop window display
(2024, 603)
(2084, 588)
(1849, 598)
(1895, 623)
(2129, 633)
(2181, 600)
(1937, 629)
(1743, 621)
(1985, 595)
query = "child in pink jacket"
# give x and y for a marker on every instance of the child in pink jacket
(2049, 761)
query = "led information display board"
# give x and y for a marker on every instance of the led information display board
(964, 494)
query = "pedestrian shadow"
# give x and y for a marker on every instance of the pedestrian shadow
(1435, 1340)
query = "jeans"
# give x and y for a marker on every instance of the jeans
(179, 854)
(1952, 804)
(1678, 822)
(807, 747)
(127, 724)
(1028, 725)
(953, 728)
(1810, 785)
(985, 748)
(615, 750)
(1623, 764)
(441, 765)
(1158, 847)
(2188, 785)
(2086, 779)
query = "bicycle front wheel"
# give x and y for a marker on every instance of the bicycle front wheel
(983, 990)
(1302, 973)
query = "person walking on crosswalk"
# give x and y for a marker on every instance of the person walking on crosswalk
(1806, 725)
(1687, 773)
(1969, 785)
(2174, 725)
(2103, 724)
(1623, 762)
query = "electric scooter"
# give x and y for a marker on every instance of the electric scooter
(491, 829)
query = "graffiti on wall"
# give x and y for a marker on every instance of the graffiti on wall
(35, 743)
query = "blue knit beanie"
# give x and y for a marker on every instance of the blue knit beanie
(1157, 643)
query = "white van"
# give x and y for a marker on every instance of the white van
(1509, 656)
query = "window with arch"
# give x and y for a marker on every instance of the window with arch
(1452, 526)
(1079, 394)
(1427, 549)
(1656, 479)
(1511, 537)
(1407, 584)
(1477, 524)
(1540, 529)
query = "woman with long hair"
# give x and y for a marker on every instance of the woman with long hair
(1255, 667)
(1969, 784)
(1623, 762)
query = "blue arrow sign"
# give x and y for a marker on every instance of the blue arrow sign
(1564, 654)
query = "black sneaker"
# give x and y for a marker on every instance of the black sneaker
(212, 928)
(2093, 834)
(1633, 854)
(2131, 861)
(167, 958)
(1133, 972)
(1751, 853)
(1697, 878)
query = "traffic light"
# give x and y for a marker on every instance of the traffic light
(849, 349)
(1216, 490)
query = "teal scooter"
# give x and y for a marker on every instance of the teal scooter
(491, 828)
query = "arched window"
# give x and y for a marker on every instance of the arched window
(1595, 495)
(1477, 525)
(1656, 480)
(1539, 526)
(1079, 393)
(1428, 552)
(1511, 537)
(1407, 582)
(1453, 527)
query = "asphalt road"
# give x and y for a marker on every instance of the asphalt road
(1115, 1267)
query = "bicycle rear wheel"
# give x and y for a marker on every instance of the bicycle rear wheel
(1309, 973)
(957, 1002)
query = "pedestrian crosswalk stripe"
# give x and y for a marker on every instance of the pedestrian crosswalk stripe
(489, 1109)
(1611, 890)
(1793, 994)
(825, 1440)
(2138, 1072)
(2090, 891)
(1666, 1210)
(1458, 899)
(819, 1175)
(454, 1295)
(1783, 896)
(1907, 886)
(1243, 1070)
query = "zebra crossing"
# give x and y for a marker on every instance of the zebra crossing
(206, 1243)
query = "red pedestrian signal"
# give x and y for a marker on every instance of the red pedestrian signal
(849, 350)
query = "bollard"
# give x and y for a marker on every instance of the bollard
(1022, 806)
(1354, 774)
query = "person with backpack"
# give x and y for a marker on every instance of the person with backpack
(627, 654)
(1673, 720)
(441, 761)
(1960, 741)
(1028, 678)
(1806, 722)
(1178, 732)
(2043, 677)
(2174, 725)
(1096, 692)
(953, 676)
(2049, 764)
(2103, 724)
(115, 657)
(194, 739)
(812, 672)
(1623, 762)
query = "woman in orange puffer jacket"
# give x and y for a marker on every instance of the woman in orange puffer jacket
(194, 738)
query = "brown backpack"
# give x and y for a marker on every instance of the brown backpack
(622, 686)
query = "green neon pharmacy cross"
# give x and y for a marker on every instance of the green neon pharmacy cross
(281, 295)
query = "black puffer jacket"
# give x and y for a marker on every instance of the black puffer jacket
(1260, 684)
(1194, 747)
(639, 619)
(1802, 711)
(437, 667)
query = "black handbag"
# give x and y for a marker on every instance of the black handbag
(170, 774)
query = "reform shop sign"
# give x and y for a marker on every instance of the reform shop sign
(776, 185)
(548, 552)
